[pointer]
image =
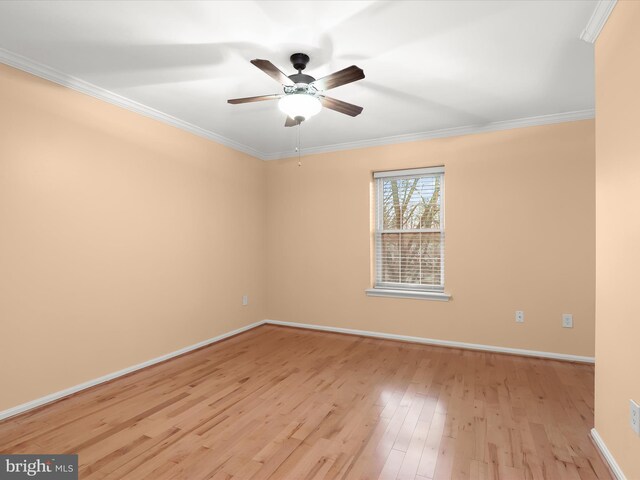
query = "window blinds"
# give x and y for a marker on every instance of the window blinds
(409, 233)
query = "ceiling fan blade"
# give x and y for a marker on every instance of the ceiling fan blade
(259, 98)
(274, 72)
(290, 122)
(342, 77)
(340, 106)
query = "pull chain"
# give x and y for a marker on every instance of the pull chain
(298, 147)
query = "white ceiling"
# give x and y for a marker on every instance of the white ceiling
(429, 65)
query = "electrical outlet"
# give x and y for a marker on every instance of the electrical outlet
(567, 320)
(245, 300)
(634, 419)
(519, 316)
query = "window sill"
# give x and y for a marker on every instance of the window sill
(422, 295)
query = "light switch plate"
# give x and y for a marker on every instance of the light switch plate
(567, 320)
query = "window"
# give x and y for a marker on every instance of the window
(409, 231)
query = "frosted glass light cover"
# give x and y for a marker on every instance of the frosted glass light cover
(300, 105)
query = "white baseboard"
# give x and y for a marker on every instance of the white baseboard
(606, 453)
(442, 343)
(96, 381)
(10, 412)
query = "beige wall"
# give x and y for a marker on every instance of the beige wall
(520, 236)
(121, 238)
(618, 232)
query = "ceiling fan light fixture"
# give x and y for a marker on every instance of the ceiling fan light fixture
(302, 95)
(300, 105)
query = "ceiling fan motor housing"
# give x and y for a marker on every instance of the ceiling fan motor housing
(299, 61)
(301, 78)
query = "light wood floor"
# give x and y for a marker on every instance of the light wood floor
(284, 403)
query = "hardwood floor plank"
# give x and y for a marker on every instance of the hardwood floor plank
(392, 465)
(427, 465)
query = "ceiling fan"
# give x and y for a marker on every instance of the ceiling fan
(303, 95)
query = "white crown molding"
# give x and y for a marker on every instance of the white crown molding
(443, 133)
(10, 412)
(441, 343)
(42, 71)
(606, 454)
(598, 19)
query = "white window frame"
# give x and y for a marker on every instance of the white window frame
(380, 288)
